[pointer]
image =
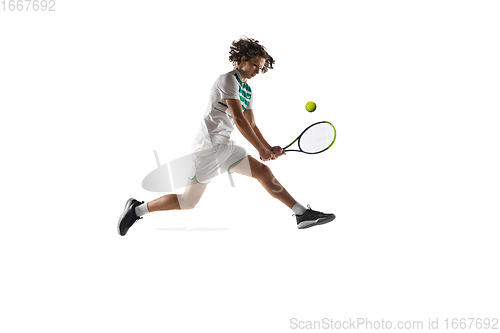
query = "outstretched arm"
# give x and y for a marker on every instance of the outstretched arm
(248, 113)
(276, 150)
(247, 131)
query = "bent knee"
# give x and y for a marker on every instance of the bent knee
(262, 172)
(187, 202)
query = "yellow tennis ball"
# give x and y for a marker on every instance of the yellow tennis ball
(310, 106)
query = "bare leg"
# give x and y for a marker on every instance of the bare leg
(187, 200)
(250, 167)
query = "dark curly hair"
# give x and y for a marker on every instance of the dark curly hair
(249, 48)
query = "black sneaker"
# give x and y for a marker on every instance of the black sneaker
(310, 218)
(128, 217)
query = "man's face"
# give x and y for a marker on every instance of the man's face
(251, 67)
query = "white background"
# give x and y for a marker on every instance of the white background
(89, 91)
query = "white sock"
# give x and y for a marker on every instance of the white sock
(142, 209)
(298, 209)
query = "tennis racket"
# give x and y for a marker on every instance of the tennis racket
(315, 139)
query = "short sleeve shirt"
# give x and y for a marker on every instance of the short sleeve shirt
(218, 123)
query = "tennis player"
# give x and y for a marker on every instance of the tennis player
(230, 105)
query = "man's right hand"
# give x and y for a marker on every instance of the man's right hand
(266, 155)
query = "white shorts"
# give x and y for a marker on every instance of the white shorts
(208, 162)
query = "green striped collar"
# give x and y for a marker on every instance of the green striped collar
(240, 80)
(238, 76)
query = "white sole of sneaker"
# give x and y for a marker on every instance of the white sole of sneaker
(308, 224)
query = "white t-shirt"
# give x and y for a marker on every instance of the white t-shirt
(217, 123)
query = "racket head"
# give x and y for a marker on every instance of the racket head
(317, 138)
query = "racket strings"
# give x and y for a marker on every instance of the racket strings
(317, 138)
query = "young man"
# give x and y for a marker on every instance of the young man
(231, 103)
